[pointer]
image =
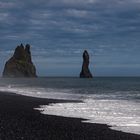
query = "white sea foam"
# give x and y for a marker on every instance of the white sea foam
(41, 92)
(122, 115)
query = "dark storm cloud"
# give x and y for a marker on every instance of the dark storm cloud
(107, 28)
(69, 19)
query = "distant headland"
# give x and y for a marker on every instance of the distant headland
(20, 64)
(85, 72)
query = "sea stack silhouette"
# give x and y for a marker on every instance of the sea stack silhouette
(85, 72)
(20, 64)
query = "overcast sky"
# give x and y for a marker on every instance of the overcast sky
(60, 30)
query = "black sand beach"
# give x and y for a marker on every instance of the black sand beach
(19, 121)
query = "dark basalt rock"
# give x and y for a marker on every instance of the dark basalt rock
(85, 72)
(20, 64)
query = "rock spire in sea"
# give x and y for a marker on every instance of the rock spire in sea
(85, 72)
(20, 64)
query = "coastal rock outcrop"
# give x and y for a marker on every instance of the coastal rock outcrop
(20, 64)
(85, 72)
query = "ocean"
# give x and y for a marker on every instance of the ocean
(114, 101)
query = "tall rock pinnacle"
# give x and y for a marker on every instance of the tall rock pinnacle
(20, 64)
(85, 72)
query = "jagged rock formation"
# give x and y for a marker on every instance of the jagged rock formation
(85, 72)
(20, 64)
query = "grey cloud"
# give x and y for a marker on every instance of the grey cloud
(3, 16)
(66, 27)
(7, 5)
(98, 20)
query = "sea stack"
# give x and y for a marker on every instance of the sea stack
(20, 64)
(85, 72)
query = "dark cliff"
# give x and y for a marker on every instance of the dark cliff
(85, 72)
(20, 64)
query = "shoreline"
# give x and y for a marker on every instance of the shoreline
(19, 120)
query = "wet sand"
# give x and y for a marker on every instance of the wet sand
(19, 121)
